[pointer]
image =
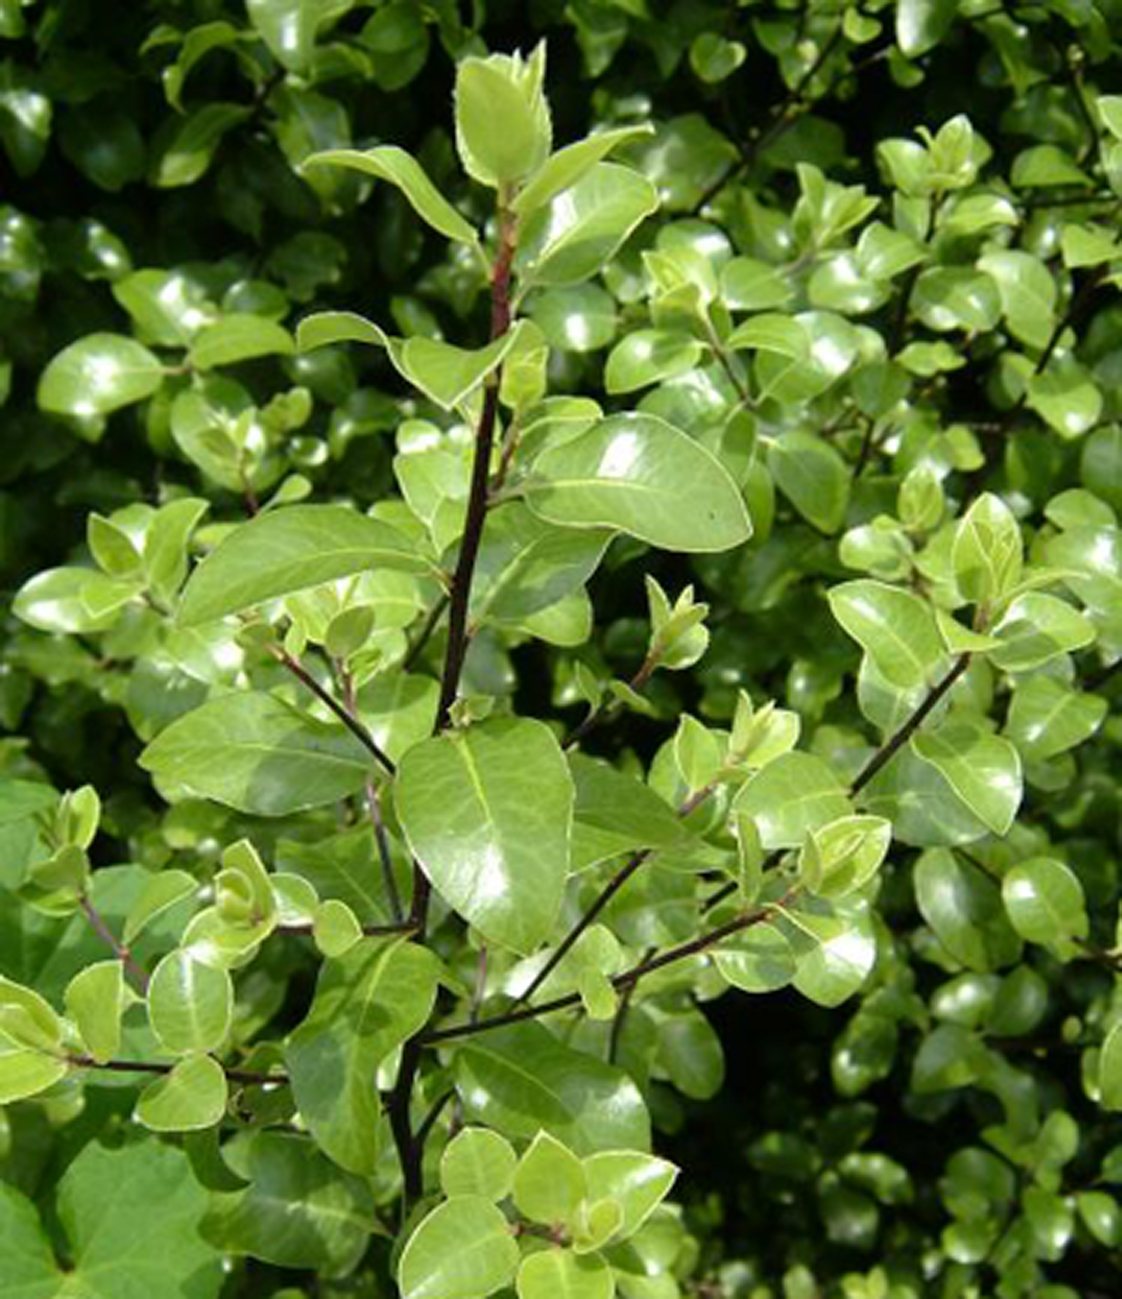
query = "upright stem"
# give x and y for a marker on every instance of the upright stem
(136, 973)
(410, 1145)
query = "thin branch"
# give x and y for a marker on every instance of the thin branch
(135, 972)
(891, 746)
(621, 982)
(369, 931)
(159, 1067)
(613, 886)
(349, 719)
(410, 1145)
(432, 621)
(374, 809)
(602, 712)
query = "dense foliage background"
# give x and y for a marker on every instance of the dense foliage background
(880, 286)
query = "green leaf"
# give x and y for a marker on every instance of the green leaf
(335, 928)
(1110, 1070)
(367, 1003)
(488, 812)
(647, 356)
(95, 1000)
(399, 168)
(521, 1079)
(463, 1247)
(169, 307)
(987, 553)
(99, 374)
(577, 319)
(616, 813)
(758, 959)
(841, 956)
(1045, 901)
(31, 1058)
(813, 477)
(582, 228)
(185, 148)
(160, 893)
(638, 1183)
(503, 127)
(190, 1098)
(1028, 294)
(239, 337)
(1067, 397)
(549, 1182)
(130, 1219)
(790, 796)
(963, 906)
(561, 1274)
(983, 769)
(190, 1006)
(751, 285)
(922, 24)
(478, 1161)
(1046, 718)
(1037, 628)
(288, 550)
(627, 472)
(563, 169)
(894, 627)
(299, 1210)
(844, 855)
(253, 752)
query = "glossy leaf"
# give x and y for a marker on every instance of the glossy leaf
(561, 1274)
(478, 1161)
(286, 551)
(97, 375)
(983, 769)
(894, 627)
(627, 472)
(488, 814)
(368, 1001)
(790, 796)
(463, 1247)
(191, 1097)
(1045, 901)
(190, 1006)
(95, 1000)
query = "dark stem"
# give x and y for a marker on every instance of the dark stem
(369, 931)
(891, 746)
(602, 712)
(432, 621)
(621, 982)
(410, 1146)
(156, 1067)
(136, 973)
(348, 718)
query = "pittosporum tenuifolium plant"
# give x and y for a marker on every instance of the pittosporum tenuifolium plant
(695, 570)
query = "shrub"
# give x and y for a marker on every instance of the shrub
(480, 603)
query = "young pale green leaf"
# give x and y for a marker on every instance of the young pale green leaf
(988, 553)
(335, 928)
(894, 627)
(844, 855)
(288, 550)
(488, 812)
(97, 375)
(31, 1059)
(1047, 718)
(478, 1161)
(399, 168)
(1045, 901)
(582, 228)
(253, 752)
(1037, 628)
(159, 894)
(983, 769)
(326, 328)
(463, 1247)
(751, 285)
(791, 796)
(503, 125)
(449, 374)
(639, 474)
(563, 169)
(563, 1274)
(549, 1182)
(95, 1000)
(637, 1182)
(190, 1006)
(583, 1102)
(367, 1003)
(190, 1098)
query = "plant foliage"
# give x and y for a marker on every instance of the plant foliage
(538, 582)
